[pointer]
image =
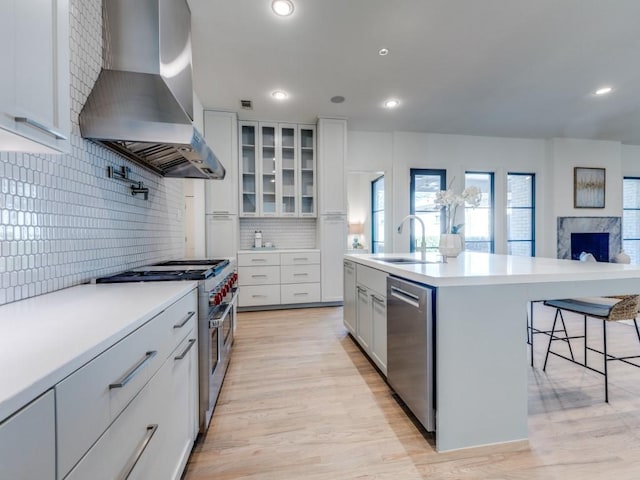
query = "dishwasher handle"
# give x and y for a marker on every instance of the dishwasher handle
(405, 296)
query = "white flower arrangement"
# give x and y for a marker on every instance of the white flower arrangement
(450, 201)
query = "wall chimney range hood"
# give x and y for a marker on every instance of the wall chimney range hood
(141, 105)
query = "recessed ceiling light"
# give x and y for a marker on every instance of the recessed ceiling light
(279, 95)
(603, 91)
(283, 8)
(383, 51)
(391, 103)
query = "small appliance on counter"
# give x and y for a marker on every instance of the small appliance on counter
(217, 305)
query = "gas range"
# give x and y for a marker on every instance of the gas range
(217, 305)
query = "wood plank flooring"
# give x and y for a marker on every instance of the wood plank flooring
(301, 401)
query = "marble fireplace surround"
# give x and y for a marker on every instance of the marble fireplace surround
(569, 225)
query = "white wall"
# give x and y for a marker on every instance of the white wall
(551, 160)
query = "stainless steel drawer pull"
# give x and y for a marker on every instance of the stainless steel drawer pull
(40, 126)
(134, 371)
(300, 294)
(258, 276)
(296, 259)
(186, 350)
(361, 290)
(406, 297)
(258, 296)
(300, 274)
(184, 322)
(378, 299)
(258, 259)
(128, 468)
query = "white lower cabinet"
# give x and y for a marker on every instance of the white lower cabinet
(132, 412)
(27, 442)
(365, 310)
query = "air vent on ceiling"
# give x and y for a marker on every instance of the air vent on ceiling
(246, 104)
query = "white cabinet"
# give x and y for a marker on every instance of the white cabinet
(273, 278)
(365, 310)
(221, 134)
(34, 86)
(222, 233)
(27, 442)
(332, 153)
(277, 170)
(349, 309)
(135, 405)
(332, 238)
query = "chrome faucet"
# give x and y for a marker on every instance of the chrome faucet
(423, 242)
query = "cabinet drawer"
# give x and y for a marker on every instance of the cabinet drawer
(372, 278)
(253, 259)
(122, 441)
(90, 399)
(300, 273)
(259, 295)
(258, 275)
(303, 258)
(180, 318)
(300, 293)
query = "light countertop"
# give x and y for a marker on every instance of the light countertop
(472, 268)
(45, 338)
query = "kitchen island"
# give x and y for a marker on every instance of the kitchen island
(480, 332)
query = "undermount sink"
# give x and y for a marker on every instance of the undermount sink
(406, 261)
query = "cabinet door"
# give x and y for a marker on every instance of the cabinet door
(379, 326)
(333, 241)
(27, 442)
(307, 172)
(349, 310)
(364, 323)
(289, 163)
(332, 149)
(269, 170)
(221, 235)
(248, 176)
(221, 134)
(37, 87)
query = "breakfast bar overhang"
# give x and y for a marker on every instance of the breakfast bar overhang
(480, 333)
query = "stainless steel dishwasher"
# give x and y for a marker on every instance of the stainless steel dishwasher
(410, 346)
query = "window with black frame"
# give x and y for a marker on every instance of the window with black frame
(631, 218)
(377, 215)
(479, 221)
(425, 184)
(521, 207)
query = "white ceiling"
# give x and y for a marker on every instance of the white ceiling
(517, 68)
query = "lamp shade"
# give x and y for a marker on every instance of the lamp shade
(356, 228)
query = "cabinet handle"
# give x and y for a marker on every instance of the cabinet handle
(378, 299)
(258, 259)
(300, 274)
(134, 371)
(40, 126)
(258, 296)
(300, 259)
(186, 350)
(128, 468)
(258, 276)
(361, 290)
(184, 322)
(300, 294)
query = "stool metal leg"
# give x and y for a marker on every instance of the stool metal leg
(585, 340)
(637, 330)
(606, 379)
(566, 334)
(530, 330)
(553, 330)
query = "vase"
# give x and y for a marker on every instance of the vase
(450, 244)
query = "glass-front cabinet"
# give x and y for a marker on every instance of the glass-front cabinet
(248, 169)
(278, 165)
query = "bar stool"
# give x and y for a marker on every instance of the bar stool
(607, 309)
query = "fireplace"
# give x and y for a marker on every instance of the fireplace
(597, 244)
(592, 227)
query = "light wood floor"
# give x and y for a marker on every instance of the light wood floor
(300, 401)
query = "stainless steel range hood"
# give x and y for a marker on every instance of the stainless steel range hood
(141, 106)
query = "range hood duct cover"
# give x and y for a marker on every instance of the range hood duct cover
(141, 105)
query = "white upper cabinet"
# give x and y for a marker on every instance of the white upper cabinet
(332, 152)
(34, 88)
(278, 170)
(221, 134)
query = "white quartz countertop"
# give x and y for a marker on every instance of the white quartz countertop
(45, 338)
(471, 268)
(280, 250)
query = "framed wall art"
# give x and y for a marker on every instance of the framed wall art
(588, 187)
